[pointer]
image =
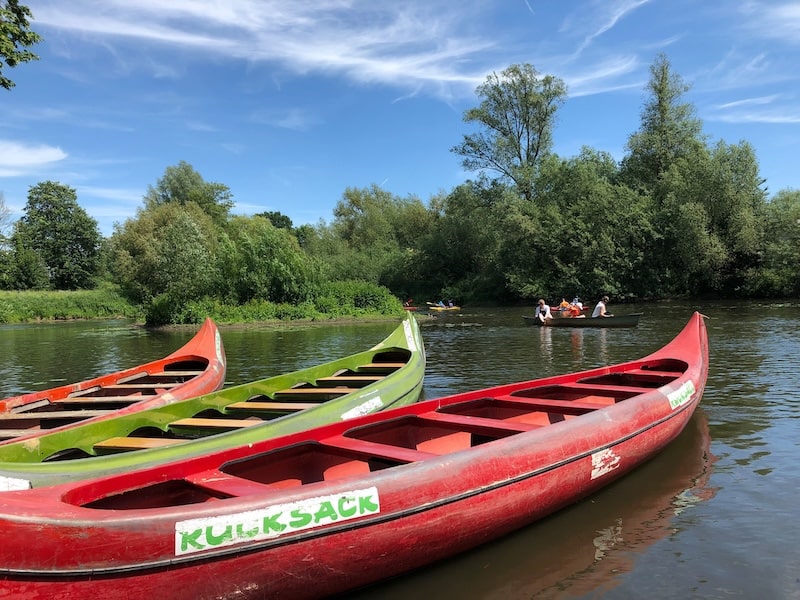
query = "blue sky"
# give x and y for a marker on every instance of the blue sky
(289, 103)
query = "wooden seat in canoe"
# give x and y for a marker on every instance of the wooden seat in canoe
(475, 423)
(228, 485)
(142, 386)
(176, 374)
(9, 434)
(214, 424)
(315, 392)
(256, 407)
(585, 404)
(94, 400)
(55, 415)
(380, 367)
(134, 443)
(377, 450)
(349, 380)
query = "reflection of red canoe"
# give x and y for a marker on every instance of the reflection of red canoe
(586, 549)
(196, 368)
(325, 510)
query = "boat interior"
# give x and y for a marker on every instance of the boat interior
(408, 438)
(45, 413)
(235, 411)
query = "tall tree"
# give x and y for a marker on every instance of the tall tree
(182, 184)
(669, 129)
(516, 117)
(15, 38)
(62, 233)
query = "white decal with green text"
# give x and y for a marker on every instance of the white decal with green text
(682, 395)
(208, 533)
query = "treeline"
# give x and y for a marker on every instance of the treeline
(679, 215)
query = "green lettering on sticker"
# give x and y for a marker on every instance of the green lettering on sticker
(241, 533)
(344, 510)
(216, 540)
(300, 518)
(367, 505)
(271, 523)
(326, 511)
(191, 539)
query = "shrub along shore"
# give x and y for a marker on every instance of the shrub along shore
(353, 301)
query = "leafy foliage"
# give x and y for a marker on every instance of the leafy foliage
(15, 38)
(260, 261)
(64, 236)
(181, 184)
(516, 116)
(166, 257)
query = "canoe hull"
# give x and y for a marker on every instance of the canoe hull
(631, 320)
(355, 528)
(23, 465)
(197, 368)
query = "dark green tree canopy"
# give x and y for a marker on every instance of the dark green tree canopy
(277, 218)
(516, 117)
(182, 184)
(15, 38)
(62, 233)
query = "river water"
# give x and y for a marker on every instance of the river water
(715, 515)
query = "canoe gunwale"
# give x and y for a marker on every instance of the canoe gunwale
(400, 386)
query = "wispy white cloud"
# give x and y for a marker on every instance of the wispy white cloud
(367, 41)
(773, 109)
(748, 102)
(607, 14)
(17, 158)
(606, 76)
(774, 20)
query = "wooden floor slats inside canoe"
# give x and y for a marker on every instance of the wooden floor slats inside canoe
(279, 404)
(196, 368)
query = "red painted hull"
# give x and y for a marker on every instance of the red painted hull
(239, 524)
(197, 368)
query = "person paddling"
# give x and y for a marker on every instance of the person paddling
(600, 310)
(543, 311)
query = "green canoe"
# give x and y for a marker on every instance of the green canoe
(389, 374)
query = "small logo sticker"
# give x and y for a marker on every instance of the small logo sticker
(604, 462)
(682, 395)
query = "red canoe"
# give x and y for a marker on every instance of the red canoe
(196, 368)
(330, 509)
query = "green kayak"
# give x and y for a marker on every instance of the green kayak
(389, 374)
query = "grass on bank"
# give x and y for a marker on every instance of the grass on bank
(335, 300)
(36, 305)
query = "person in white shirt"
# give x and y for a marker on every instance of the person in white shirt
(600, 309)
(543, 311)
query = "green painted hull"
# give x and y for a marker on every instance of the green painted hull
(51, 458)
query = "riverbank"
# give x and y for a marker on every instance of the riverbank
(107, 303)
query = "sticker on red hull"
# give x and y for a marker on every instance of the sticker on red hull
(682, 395)
(604, 462)
(196, 535)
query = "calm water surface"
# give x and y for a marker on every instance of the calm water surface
(715, 515)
